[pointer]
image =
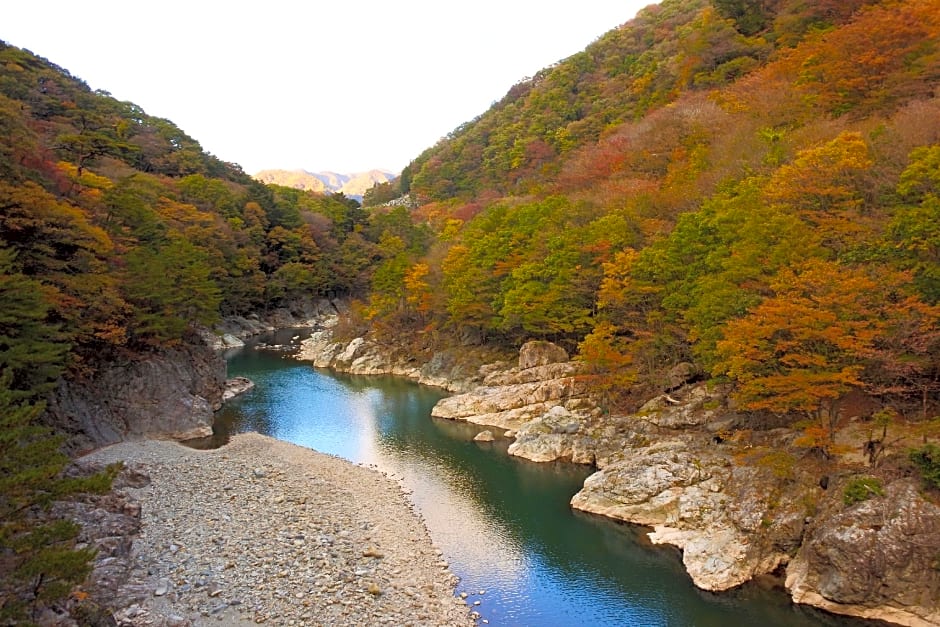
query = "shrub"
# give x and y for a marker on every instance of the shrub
(862, 489)
(927, 460)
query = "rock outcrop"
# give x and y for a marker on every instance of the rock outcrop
(109, 524)
(698, 407)
(510, 398)
(876, 559)
(236, 386)
(170, 394)
(540, 353)
(507, 406)
(736, 517)
(663, 468)
(484, 436)
(455, 369)
(696, 500)
(736, 509)
(540, 403)
(557, 434)
(234, 330)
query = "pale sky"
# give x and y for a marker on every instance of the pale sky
(347, 86)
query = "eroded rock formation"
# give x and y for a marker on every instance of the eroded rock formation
(734, 509)
(877, 559)
(170, 394)
(453, 369)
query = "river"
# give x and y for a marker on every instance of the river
(503, 523)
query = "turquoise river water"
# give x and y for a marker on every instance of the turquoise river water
(504, 524)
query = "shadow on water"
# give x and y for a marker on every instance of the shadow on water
(503, 523)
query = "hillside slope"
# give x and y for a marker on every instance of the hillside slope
(121, 240)
(670, 50)
(673, 218)
(727, 212)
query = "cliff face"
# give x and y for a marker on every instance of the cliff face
(170, 394)
(877, 559)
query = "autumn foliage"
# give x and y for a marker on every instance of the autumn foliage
(119, 235)
(751, 187)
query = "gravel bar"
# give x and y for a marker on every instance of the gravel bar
(263, 531)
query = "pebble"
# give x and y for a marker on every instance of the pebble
(219, 547)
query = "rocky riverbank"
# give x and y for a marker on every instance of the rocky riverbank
(262, 531)
(728, 489)
(234, 330)
(456, 369)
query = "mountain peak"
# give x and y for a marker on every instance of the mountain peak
(352, 185)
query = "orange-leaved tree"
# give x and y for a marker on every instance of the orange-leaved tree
(821, 187)
(609, 363)
(803, 348)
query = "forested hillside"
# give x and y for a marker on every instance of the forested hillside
(122, 233)
(120, 236)
(751, 187)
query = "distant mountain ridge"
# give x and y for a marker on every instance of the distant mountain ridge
(353, 185)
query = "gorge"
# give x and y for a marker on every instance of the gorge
(698, 260)
(503, 524)
(668, 467)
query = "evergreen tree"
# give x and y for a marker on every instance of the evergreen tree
(37, 552)
(31, 350)
(170, 288)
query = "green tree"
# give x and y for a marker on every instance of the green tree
(130, 209)
(294, 280)
(209, 194)
(543, 298)
(37, 552)
(387, 292)
(381, 193)
(749, 16)
(471, 289)
(171, 290)
(32, 350)
(90, 141)
(913, 237)
(927, 460)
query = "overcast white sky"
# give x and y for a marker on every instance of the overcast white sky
(348, 85)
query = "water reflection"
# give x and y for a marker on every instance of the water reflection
(504, 524)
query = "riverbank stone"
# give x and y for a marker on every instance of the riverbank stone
(266, 532)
